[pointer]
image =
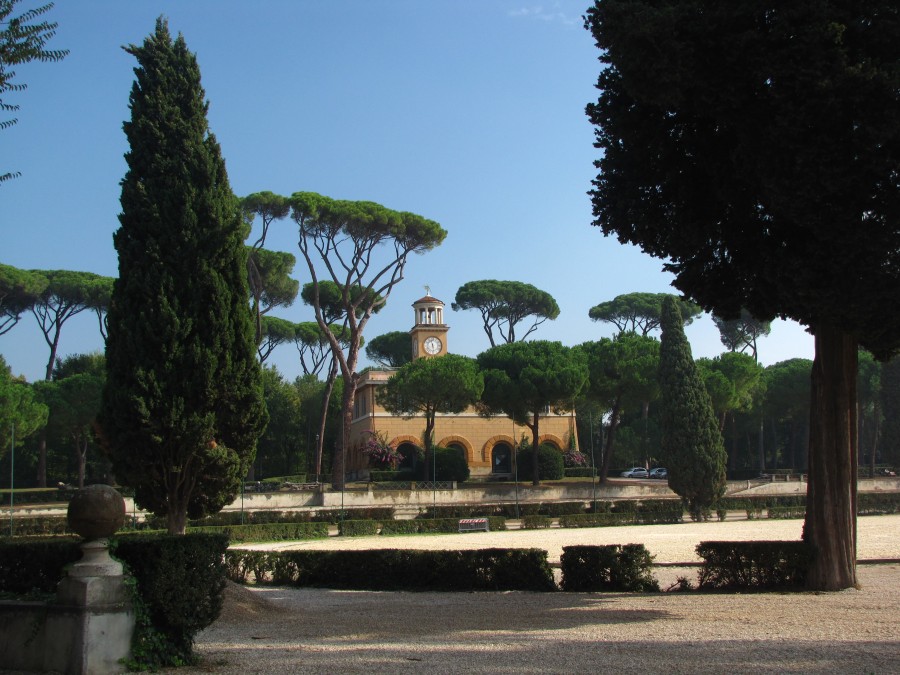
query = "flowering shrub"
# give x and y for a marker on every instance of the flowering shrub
(382, 455)
(574, 458)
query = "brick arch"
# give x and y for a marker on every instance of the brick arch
(552, 439)
(492, 441)
(397, 441)
(460, 440)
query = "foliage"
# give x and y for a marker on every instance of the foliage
(536, 522)
(19, 291)
(754, 565)
(281, 448)
(22, 41)
(449, 464)
(607, 568)
(19, 409)
(759, 216)
(447, 384)
(381, 453)
(549, 461)
(890, 408)
(35, 566)
(349, 239)
(692, 446)
(522, 379)
(390, 350)
(180, 581)
(183, 404)
(392, 569)
(742, 334)
(640, 312)
(504, 304)
(573, 459)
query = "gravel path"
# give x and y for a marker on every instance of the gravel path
(278, 630)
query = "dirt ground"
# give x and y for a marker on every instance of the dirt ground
(279, 630)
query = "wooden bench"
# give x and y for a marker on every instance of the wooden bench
(474, 525)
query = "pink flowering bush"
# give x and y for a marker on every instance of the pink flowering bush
(382, 455)
(574, 458)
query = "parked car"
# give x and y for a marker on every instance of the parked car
(635, 472)
(659, 472)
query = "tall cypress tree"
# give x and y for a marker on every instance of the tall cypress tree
(692, 445)
(183, 404)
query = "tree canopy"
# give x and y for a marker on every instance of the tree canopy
(446, 384)
(20, 290)
(360, 245)
(505, 304)
(182, 407)
(19, 409)
(640, 312)
(523, 379)
(22, 41)
(390, 350)
(754, 147)
(741, 334)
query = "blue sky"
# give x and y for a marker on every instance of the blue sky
(468, 112)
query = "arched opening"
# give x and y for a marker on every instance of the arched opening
(501, 458)
(409, 456)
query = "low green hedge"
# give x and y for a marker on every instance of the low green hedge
(269, 532)
(753, 565)
(393, 569)
(536, 522)
(434, 526)
(35, 567)
(607, 568)
(580, 472)
(358, 528)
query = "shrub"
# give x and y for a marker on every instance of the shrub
(269, 531)
(393, 569)
(536, 522)
(596, 519)
(32, 567)
(753, 564)
(580, 472)
(607, 568)
(358, 528)
(449, 465)
(179, 583)
(550, 463)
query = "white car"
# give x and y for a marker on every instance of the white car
(635, 472)
(659, 472)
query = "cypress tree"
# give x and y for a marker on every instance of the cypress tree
(692, 445)
(183, 405)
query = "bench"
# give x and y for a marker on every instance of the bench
(474, 525)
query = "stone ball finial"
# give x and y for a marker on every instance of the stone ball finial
(96, 512)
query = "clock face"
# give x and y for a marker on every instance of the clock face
(432, 345)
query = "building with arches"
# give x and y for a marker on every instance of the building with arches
(486, 443)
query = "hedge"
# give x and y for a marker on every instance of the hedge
(393, 569)
(753, 565)
(607, 568)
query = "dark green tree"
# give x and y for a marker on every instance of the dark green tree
(890, 410)
(868, 402)
(20, 412)
(786, 408)
(525, 379)
(692, 445)
(22, 41)
(447, 384)
(623, 376)
(505, 304)
(19, 291)
(742, 334)
(390, 350)
(754, 146)
(640, 312)
(183, 407)
(281, 450)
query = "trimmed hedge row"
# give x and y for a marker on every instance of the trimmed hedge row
(607, 568)
(753, 565)
(269, 532)
(614, 519)
(393, 569)
(362, 528)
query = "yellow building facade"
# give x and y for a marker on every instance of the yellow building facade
(486, 443)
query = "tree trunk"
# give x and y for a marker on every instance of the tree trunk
(535, 447)
(81, 448)
(323, 420)
(830, 525)
(610, 439)
(339, 463)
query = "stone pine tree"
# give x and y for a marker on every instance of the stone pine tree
(182, 407)
(692, 446)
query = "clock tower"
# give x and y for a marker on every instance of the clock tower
(429, 332)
